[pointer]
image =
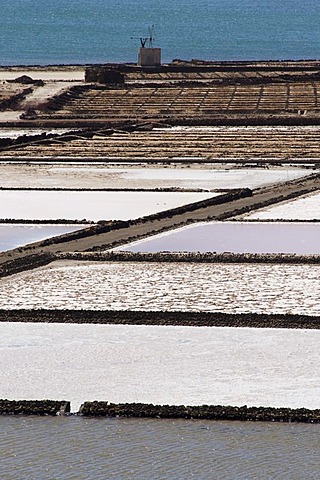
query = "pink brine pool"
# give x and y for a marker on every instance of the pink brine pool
(237, 237)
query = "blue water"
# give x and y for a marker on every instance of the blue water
(93, 31)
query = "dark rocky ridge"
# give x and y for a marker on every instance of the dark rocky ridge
(172, 318)
(190, 257)
(142, 410)
(203, 412)
(34, 407)
(26, 262)
(14, 99)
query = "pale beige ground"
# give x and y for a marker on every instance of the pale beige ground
(45, 74)
(41, 94)
(136, 176)
(56, 81)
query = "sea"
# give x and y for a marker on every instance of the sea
(47, 32)
(77, 32)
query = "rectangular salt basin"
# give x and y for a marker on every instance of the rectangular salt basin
(130, 176)
(303, 208)
(77, 205)
(17, 235)
(160, 365)
(230, 288)
(235, 237)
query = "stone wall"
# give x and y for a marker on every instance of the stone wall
(142, 410)
(104, 75)
(33, 407)
(25, 263)
(191, 257)
(208, 412)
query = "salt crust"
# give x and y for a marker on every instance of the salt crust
(160, 365)
(77, 205)
(135, 176)
(229, 288)
(305, 208)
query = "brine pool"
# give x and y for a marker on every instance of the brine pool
(17, 235)
(237, 237)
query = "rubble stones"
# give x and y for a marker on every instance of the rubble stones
(34, 407)
(207, 412)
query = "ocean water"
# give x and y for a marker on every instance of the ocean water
(94, 31)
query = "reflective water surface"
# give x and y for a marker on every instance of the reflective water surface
(236, 237)
(80, 448)
(17, 235)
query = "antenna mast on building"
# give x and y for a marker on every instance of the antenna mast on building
(146, 40)
(148, 56)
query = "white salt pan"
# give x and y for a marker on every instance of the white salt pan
(77, 205)
(161, 365)
(131, 176)
(305, 208)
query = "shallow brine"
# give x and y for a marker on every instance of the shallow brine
(235, 237)
(16, 235)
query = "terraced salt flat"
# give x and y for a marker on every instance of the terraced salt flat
(235, 237)
(160, 365)
(241, 145)
(33, 175)
(304, 208)
(231, 288)
(77, 205)
(16, 235)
